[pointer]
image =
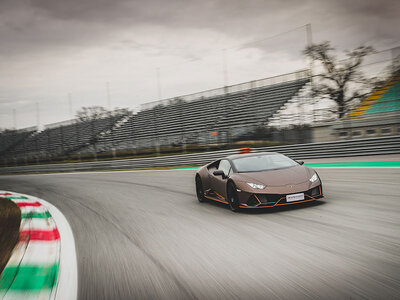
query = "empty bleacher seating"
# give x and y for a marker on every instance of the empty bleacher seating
(163, 125)
(10, 138)
(176, 122)
(61, 140)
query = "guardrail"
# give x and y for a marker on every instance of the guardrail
(370, 146)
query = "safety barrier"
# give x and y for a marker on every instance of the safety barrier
(359, 147)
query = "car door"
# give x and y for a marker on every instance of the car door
(218, 184)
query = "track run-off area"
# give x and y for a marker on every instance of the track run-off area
(144, 235)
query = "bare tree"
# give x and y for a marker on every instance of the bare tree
(121, 111)
(91, 113)
(340, 80)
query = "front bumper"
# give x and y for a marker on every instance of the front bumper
(271, 200)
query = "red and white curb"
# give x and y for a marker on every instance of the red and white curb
(43, 264)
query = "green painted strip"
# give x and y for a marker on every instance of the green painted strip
(29, 278)
(16, 198)
(36, 215)
(363, 164)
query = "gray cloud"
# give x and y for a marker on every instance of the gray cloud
(42, 23)
(49, 47)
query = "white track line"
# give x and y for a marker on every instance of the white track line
(67, 287)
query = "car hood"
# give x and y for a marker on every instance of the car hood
(293, 175)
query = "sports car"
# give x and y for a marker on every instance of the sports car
(257, 180)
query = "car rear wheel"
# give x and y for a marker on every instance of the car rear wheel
(199, 190)
(233, 198)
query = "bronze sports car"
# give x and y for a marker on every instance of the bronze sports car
(257, 180)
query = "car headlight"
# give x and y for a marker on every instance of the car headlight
(314, 178)
(256, 186)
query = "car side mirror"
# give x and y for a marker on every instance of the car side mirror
(219, 173)
(300, 162)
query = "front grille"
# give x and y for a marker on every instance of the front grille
(252, 201)
(271, 199)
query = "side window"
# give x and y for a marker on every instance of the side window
(225, 166)
(230, 171)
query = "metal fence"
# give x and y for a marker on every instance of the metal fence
(371, 146)
(301, 74)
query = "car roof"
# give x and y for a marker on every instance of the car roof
(235, 156)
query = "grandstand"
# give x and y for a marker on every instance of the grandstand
(210, 117)
(192, 122)
(59, 140)
(11, 138)
(188, 119)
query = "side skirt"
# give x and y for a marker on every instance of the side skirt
(210, 194)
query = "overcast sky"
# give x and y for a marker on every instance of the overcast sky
(52, 48)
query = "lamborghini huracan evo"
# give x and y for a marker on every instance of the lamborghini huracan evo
(257, 180)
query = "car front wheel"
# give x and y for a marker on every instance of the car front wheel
(233, 197)
(199, 190)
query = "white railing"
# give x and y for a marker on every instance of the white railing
(302, 74)
(58, 124)
(26, 129)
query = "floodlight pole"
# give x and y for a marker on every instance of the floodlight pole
(159, 84)
(37, 115)
(309, 44)
(15, 118)
(110, 121)
(70, 106)
(108, 96)
(225, 69)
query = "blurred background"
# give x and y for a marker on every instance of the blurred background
(100, 81)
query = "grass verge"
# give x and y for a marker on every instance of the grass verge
(10, 220)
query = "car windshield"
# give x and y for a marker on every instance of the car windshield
(263, 162)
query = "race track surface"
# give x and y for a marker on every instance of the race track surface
(144, 235)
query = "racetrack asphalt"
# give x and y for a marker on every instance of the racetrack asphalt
(144, 235)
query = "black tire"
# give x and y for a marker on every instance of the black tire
(233, 198)
(199, 190)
